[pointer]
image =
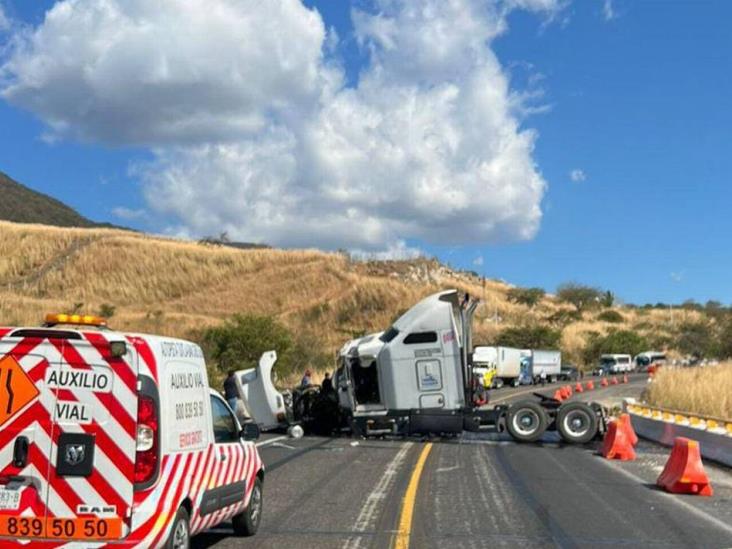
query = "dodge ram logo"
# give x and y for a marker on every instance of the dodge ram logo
(74, 454)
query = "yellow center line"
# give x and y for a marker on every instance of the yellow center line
(405, 519)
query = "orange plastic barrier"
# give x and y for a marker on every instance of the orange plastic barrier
(590, 385)
(626, 424)
(578, 388)
(684, 472)
(616, 444)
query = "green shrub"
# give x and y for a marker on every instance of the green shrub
(697, 339)
(529, 337)
(615, 342)
(239, 342)
(107, 311)
(525, 296)
(582, 297)
(563, 317)
(611, 316)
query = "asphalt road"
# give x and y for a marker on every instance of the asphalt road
(482, 490)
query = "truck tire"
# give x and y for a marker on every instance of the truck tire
(247, 522)
(577, 423)
(526, 421)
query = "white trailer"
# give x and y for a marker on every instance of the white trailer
(549, 362)
(506, 361)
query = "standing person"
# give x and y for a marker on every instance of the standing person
(327, 385)
(305, 382)
(543, 377)
(230, 392)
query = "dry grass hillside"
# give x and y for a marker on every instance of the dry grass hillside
(174, 288)
(706, 391)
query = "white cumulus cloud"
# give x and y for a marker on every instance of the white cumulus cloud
(577, 175)
(128, 214)
(141, 72)
(4, 21)
(254, 131)
(608, 11)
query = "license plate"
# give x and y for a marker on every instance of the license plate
(61, 528)
(9, 499)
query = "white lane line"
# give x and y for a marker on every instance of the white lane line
(672, 498)
(270, 441)
(374, 502)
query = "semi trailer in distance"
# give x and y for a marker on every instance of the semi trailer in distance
(544, 361)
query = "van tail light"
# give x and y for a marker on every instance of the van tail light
(147, 455)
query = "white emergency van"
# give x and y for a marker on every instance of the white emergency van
(109, 438)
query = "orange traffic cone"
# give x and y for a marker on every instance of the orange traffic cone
(614, 381)
(604, 382)
(616, 444)
(558, 395)
(590, 385)
(684, 472)
(578, 388)
(626, 424)
(625, 378)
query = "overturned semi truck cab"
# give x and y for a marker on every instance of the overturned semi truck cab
(411, 378)
(416, 378)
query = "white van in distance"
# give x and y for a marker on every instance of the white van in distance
(615, 364)
(109, 438)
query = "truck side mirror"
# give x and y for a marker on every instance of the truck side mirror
(250, 431)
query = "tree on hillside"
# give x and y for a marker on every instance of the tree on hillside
(615, 342)
(239, 342)
(724, 346)
(525, 296)
(608, 299)
(581, 296)
(697, 339)
(529, 337)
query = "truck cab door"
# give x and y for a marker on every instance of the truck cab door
(344, 385)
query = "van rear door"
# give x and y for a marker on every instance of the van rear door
(92, 468)
(26, 428)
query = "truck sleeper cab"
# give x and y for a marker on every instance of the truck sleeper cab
(117, 439)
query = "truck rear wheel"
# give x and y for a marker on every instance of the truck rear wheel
(577, 422)
(526, 421)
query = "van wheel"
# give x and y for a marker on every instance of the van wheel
(180, 534)
(526, 421)
(247, 522)
(577, 422)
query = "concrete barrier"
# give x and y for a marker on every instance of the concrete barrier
(663, 425)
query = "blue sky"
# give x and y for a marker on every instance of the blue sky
(639, 103)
